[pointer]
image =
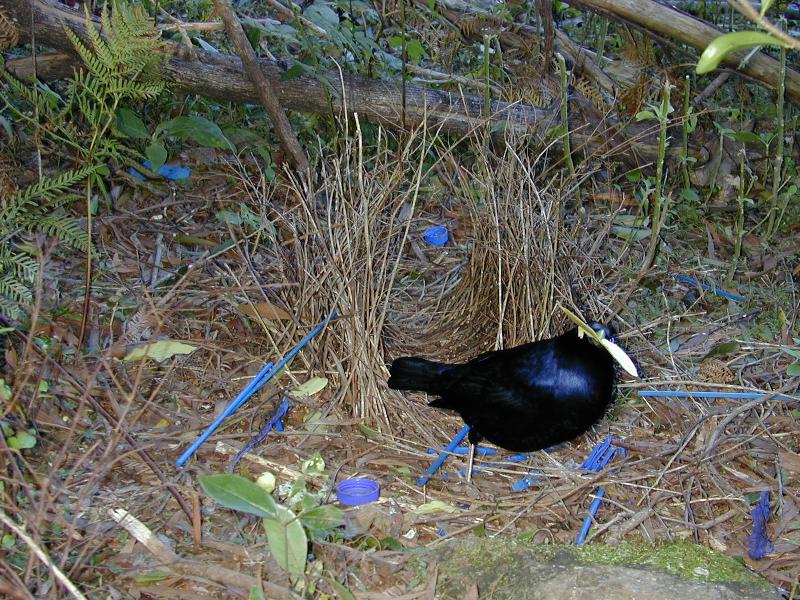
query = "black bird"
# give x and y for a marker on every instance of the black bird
(525, 398)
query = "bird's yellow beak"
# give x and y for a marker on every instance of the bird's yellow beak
(613, 349)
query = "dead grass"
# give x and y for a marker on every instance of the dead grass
(109, 431)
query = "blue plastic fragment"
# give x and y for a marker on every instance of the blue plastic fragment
(273, 421)
(707, 394)
(479, 450)
(759, 544)
(531, 479)
(441, 532)
(598, 458)
(173, 172)
(443, 455)
(259, 381)
(710, 288)
(436, 235)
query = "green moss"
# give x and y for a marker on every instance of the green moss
(692, 561)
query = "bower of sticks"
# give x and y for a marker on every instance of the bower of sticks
(524, 239)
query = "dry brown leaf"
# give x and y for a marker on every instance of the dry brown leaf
(266, 310)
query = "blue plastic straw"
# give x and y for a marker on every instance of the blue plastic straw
(704, 394)
(599, 457)
(479, 451)
(263, 376)
(443, 455)
(710, 288)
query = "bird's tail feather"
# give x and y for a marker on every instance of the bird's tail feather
(416, 374)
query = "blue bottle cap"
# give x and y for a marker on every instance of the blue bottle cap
(436, 235)
(357, 491)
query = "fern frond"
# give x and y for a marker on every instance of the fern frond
(23, 265)
(11, 289)
(66, 228)
(50, 186)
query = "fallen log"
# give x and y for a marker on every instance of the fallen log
(221, 77)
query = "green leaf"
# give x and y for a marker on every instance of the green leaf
(159, 351)
(321, 14)
(239, 493)
(295, 71)
(792, 352)
(21, 441)
(690, 195)
(193, 127)
(287, 541)
(256, 593)
(341, 591)
(723, 348)
(415, 51)
(720, 47)
(129, 123)
(309, 388)
(793, 370)
(435, 506)
(153, 577)
(156, 154)
(322, 517)
(645, 115)
(631, 234)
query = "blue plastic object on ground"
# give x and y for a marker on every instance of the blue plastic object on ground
(358, 490)
(600, 456)
(436, 235)
(707, 394)
(259, 381)
(759, 545)
(443, 455)
(710, 288)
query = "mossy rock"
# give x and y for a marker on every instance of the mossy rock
(520, 570)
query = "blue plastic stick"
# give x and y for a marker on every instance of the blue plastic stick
(264, 375)
(598, 458)
(733, 395)
(710, 288)
(443, 455)
(479, 451)
(587, 522)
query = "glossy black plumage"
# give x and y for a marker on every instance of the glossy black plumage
(524, 398)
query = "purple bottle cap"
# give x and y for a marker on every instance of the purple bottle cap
(358, 490)
(436, 235)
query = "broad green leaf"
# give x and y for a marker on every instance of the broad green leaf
(129, 123)
(723, 348)
(341, 591)
(792, 352)
(309, 388)
(287, 541)
(793, 370)
(320, 13)
(193, 127)
(159, 351)
(720, 47)
(644, 115)
(415, 51)
(156, 154)
(239, 493)
(21, 441)
(326, 516)
(434, 506)
(631, 234)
